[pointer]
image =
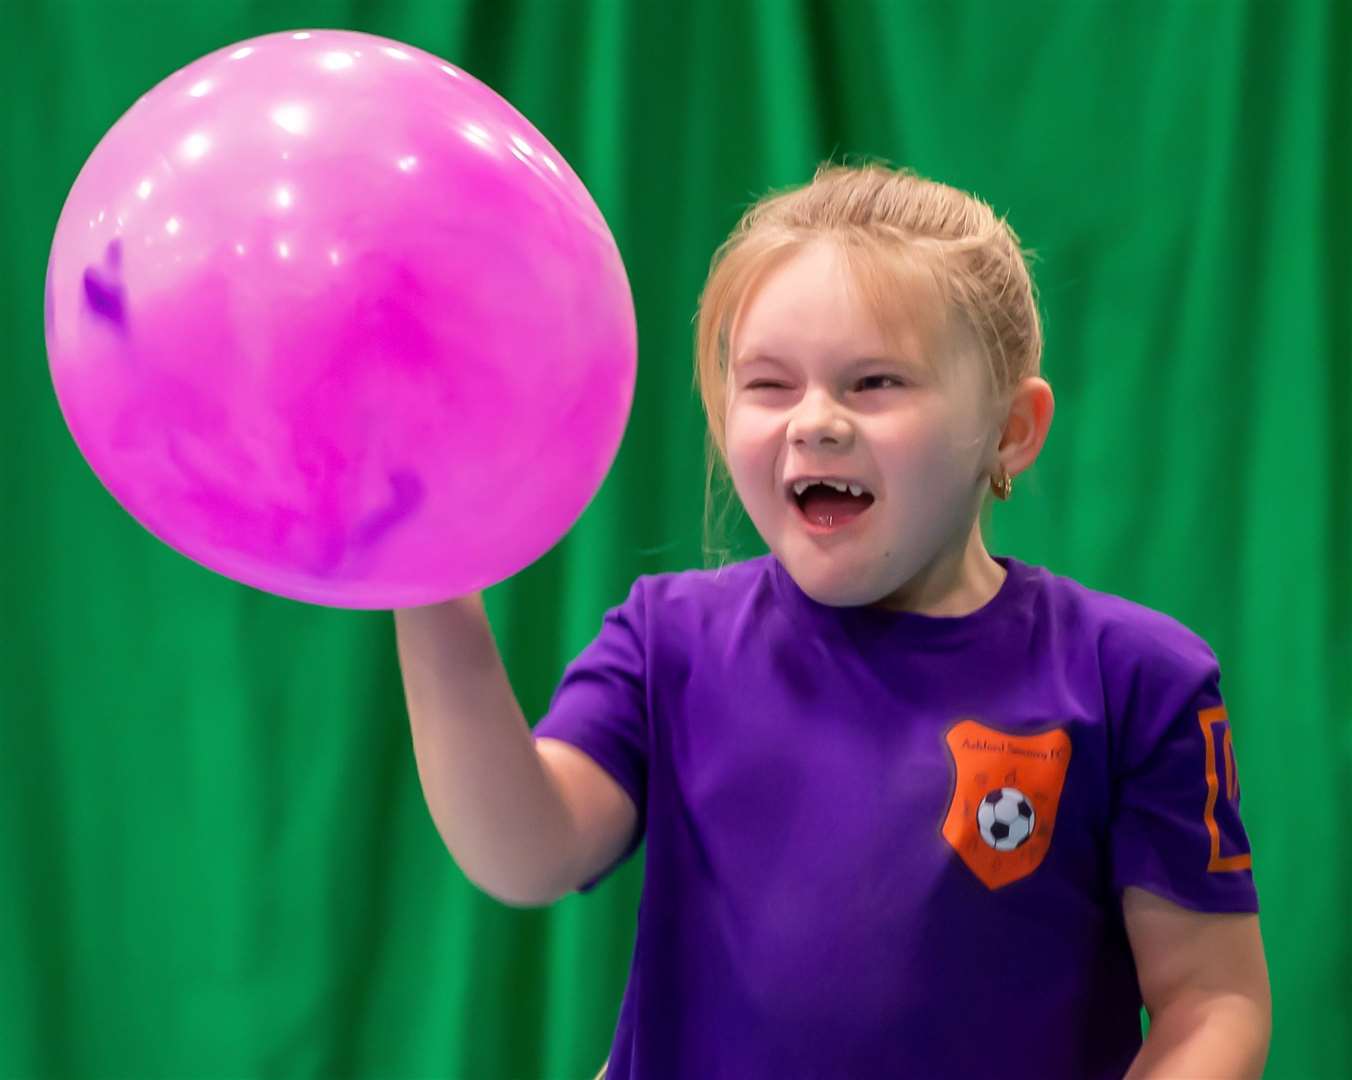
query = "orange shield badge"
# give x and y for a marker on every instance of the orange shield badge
(1004, 802)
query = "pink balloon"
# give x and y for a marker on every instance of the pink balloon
(328, 316)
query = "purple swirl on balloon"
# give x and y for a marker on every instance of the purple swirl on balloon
(105, 298)
(407, 496)
(103, 292)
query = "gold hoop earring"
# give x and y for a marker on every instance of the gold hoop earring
(1002, 487)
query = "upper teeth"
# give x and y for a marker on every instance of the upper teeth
(801, 486)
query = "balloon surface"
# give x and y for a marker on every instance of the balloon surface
(328, 316)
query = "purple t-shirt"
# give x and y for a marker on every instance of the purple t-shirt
(890, 844)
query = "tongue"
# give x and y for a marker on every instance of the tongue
(826, 506)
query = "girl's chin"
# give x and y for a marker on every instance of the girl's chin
(828, 577)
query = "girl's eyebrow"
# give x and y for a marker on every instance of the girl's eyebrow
(755, 358)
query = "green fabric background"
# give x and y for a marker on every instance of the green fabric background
(215, 859)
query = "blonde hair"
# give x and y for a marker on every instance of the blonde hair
(919, 251)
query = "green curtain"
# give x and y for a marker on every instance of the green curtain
(215, 859)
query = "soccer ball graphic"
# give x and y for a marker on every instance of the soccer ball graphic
(1005, 818)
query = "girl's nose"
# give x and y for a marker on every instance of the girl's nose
(817, 422)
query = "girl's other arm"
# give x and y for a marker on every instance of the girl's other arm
(1204, 981)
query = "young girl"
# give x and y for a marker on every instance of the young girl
(910, 809)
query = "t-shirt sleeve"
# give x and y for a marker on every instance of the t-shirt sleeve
(601, 707)
(1175, 828)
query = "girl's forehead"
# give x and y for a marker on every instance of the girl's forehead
(818, 302)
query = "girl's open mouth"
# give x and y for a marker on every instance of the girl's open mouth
(822, 509)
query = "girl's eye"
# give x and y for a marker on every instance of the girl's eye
(869, 379)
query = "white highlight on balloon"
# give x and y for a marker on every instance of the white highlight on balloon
(336, 61)
(477, 135)
(450, 71)
(201, 88)
(195, 145)
(172, 226)
(407, 163)
(294, 119)
(398, 54)
(522, 145)
(302, 36)
(283, 197)
(240, 54)
(143, 190)
(284, 249)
